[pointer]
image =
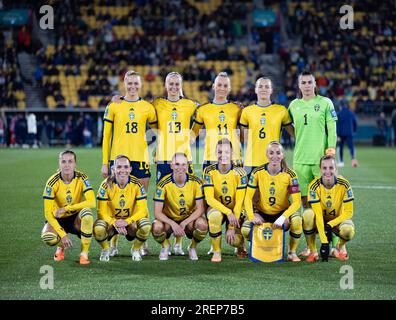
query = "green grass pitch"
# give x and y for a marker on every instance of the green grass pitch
(23, 175)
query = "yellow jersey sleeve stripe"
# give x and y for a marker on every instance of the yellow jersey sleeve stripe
(158, 200)
(253, 187)
(313, 201)
(48, 198)
(351, 199)
(107, 120)
(102, 199)
(141, 198)
(199, 198)
(243, 125)
(88, 189)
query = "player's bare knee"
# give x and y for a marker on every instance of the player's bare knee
(201, 224)
(158, 228)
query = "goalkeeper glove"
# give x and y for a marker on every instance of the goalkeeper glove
(330, 152)
(325, 251)
(329, 232)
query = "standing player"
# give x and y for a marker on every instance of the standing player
(125, 133)
(65, 210)
(220, 119)
(314, 120)
(224, 187)
(179, 207)
(122, 209)
(275, 183)
(262, 123)
(331, 198)
(346, 128)
(174, 115)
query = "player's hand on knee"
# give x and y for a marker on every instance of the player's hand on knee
(116, 99)
(230, 236)
(279, 222)
(66, 242)
(233, 220)
(325, 251)
(121, 230)
(177, 230)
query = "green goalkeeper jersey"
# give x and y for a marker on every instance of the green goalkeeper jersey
(315, 128)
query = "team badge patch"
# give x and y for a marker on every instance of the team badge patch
(207, 178)
(350, 194)
(333, 113)
(244, 180)
(222, 116)
(131, 116)
(251, 179)
(182, 202)
(272, 191)
(158, 193)
(295, 182)
(329, 204)
(317, 107)
(102, 192)
(122, 203)
(142, 191)
(267, 233)
(87, 183)
(174, 114)
(48, 191)
(262, 121)
(312, 194)
(106, 112)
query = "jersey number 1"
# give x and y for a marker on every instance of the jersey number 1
(305, 119)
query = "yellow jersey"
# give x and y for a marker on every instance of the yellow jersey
(57, 194)
(124, 131)
(331, 206)
(274, 192)
(221, 121)
(264, 124)
(128, 203)
(179, 202)
(225, 191)
(174, 123)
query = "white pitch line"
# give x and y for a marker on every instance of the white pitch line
(373, 187)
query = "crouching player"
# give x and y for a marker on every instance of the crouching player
(225, 187)
(65, 210)
(331, 199)
(178, 208)
(275, 183)
(122, 209)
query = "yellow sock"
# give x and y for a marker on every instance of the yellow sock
(216, 244)
(142, 233)
(114, 240)
(311, 242)
(179, 240)
(296, 230)
(86, 230)
(198, 236)
(165, 243)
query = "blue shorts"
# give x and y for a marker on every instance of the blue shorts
(67, 224)
(140, 170)
(164, 168)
